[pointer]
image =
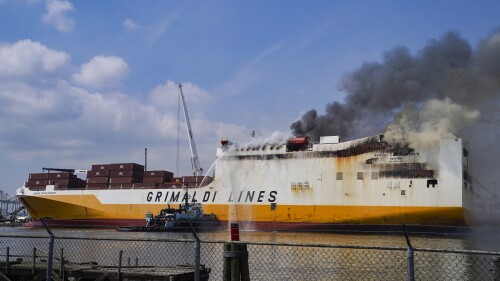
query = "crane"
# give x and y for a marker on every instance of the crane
(195, 161)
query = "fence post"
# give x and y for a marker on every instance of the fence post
(496, 268)
(197, 254)
(409, 255)
(7, 254)
(120, 266)
(226, 274)
(62, 264)
(51, 251)
(34, 262)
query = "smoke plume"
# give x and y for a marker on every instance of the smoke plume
(380, 94)
(446, 89)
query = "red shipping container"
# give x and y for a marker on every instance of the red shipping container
(197, 179)
(127, 166)
(59, 182)
(164, 174)
(124, 180)
(37, 182)
(98, 180)
(101, 167)
(120, 186)
(39, 176)
(98, 173)
(126, 173)
(59, 175)
(96, 186)
(171, 185)
(154, 180)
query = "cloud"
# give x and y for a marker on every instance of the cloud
(102, 72)
(55, 121)
(130, 25)
(27, 58)
(56, 15)
(166, 95)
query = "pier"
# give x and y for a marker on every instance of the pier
(25, 270)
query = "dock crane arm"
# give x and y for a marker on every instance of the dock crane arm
(195, 161)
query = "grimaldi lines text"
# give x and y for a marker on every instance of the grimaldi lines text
(293, 184)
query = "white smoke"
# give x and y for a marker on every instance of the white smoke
(437, 119)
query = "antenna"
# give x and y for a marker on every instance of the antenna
(145, 159)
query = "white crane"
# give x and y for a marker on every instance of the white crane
(195, 162)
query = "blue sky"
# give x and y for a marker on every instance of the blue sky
(86, 82)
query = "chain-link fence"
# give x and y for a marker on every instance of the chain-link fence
(79, 258)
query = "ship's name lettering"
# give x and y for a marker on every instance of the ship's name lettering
(209, 196)
(252, 196)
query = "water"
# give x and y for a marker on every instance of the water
(480, 239)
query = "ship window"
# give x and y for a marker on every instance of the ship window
(360, 175)
(432, 183)
(339, 176)
(403, 192)
(466, 153)
(374, 175)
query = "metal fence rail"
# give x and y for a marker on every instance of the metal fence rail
(266, 261)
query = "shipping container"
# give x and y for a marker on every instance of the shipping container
(101, 167)
(127, 166)
(96, 186)
(104, 180)
(60, 175)
(142, 185)
(97, 173)
(125, 173)
(154, 180)
(164, 174)
(120, 186)
(37, 182)
(124, 180)
(39, 176)
(171, 185)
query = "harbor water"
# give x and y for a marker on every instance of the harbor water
(481, 239)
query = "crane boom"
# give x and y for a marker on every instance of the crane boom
(195, 161)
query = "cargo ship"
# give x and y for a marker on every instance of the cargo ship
(293, 184)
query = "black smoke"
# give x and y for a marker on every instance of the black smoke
(376, 92)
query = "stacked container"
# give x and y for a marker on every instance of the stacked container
(63, 180)
(155, 179)
(195, 181)
(114, 176)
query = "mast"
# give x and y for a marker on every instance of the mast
(195, 162)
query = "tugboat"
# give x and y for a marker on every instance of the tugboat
(177, 219)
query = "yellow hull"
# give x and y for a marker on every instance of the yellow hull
(88, 207)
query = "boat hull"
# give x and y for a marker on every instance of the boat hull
(362, 182)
